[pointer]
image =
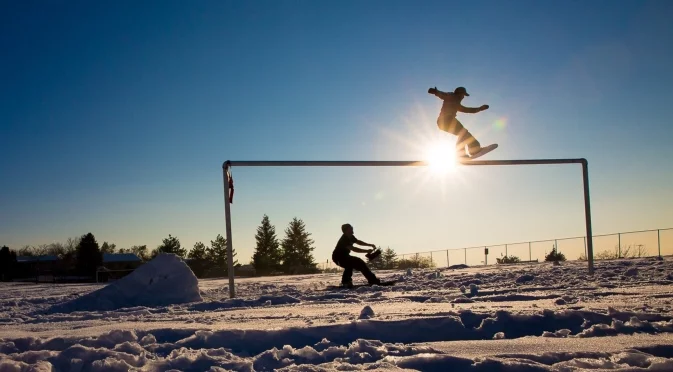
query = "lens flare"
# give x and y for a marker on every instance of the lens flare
(500, 124)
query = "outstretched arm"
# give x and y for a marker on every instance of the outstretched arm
(472, 110)
(434, 91)
(360, 250)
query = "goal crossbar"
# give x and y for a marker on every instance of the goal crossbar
(229, 188)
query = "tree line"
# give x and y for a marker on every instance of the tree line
(83, 255)
(293, 254)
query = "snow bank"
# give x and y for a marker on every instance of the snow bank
(123, 351)
(163, 281)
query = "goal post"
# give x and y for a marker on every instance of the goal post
(228, 181)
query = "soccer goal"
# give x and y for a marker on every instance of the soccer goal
(229, 189)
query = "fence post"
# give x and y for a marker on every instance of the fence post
(465, 256)
(659, 241)
(448, 263)
(585, 248)
(619, 244)
(430, 259)
(505, 249)
(530, 253)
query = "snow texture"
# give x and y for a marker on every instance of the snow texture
(531, 317)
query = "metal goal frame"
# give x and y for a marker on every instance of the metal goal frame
(229, 188)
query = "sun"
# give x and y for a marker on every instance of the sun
(441, 157)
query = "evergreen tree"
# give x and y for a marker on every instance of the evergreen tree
(198, 252)
(170, 245)
(217, 256)
(389, 258)
(89, 256)
(555, 255)
(296, 249)
(7, 263)
(267, 256)
(198, 259)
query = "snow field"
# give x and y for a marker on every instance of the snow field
(293, 323)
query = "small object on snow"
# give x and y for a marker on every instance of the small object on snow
(560, 301)
(474, 289)
(462, 288)
(409, 273)
(525, 278)
(499, 336)
(435, 275)
(631, 272)
(366, 313)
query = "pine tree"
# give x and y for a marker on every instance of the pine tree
(296, 249)
(89, 256)
(389, 258)
(198, 252)
(7, 263)
(217, 256)
(555, 255)
(267, 256)
(198, 259)
(171, 245)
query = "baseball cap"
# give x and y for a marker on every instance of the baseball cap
(461, 90)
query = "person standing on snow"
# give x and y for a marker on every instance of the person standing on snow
(341, 256)
(447, 120)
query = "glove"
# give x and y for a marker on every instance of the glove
(483, 107)
(432, 90)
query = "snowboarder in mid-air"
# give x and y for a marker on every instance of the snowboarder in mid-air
(341, 256)
(447, 120)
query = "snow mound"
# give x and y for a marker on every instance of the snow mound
(165, 280)
(366, 313)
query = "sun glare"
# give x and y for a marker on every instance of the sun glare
(441, 157)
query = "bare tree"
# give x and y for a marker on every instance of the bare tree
(56, 249)
(26, 250)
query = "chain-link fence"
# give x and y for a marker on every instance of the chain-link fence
(630, 244)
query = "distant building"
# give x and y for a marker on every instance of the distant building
(38, 268)
(117, 265)
(244, 270)
(121, 261)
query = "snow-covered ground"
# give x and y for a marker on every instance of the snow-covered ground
(531, 317)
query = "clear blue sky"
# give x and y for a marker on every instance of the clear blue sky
(115, 118)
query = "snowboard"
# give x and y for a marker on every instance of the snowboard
(480, 153)
(373, 254)
(356, 286)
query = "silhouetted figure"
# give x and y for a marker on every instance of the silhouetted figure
(341, 256)
(447, 119)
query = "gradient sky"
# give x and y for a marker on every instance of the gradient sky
(115, 118)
